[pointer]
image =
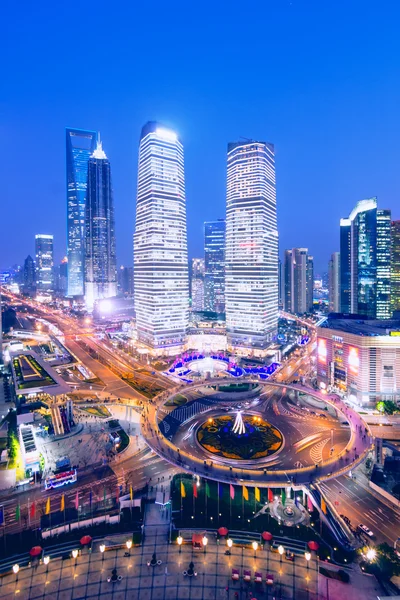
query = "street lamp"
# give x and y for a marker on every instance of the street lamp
(16, 569)
(308, 558)
(371, 554)
(205, 542)
(255, 548)
(180, 541)
(102, 549)
(75, 554)
(129, 544)
(46, 560)
(281, 550)
(229, 543)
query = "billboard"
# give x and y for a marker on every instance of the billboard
(322, 351)
(353, 360)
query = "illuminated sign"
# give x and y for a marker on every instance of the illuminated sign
(322, 351)
(395, 333)
(353, 360)
(336, 338)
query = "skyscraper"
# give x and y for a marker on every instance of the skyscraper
(365, 261)
(334, 282)
(44, 263)
(251, 246)
(197, 284)
(395, 267)
(29, 276)
(125, 280)
(160, 243)
(214, 260)
(100, 255)
(80, 146)
(299, 281)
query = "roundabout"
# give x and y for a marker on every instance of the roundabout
(283, 435)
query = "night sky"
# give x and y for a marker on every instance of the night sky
(318, 78)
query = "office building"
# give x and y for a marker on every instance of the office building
(360, 357)
(44, 263)
(80, 146)
(334, 282)
(365, 261)
(197, 284)
(251, 247)
(395, 267)
(160, 243)
(125, 280)
(299, 281)
(63, 276)
(214, 260)
(100, 255)
(29, 276)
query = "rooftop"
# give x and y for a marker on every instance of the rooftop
(362, 326)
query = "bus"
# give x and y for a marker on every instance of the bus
(55, 481)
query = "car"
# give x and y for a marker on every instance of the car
(365, 530)
(289, 555)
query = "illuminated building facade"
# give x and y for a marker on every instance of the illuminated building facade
(395, 266)
(44, 262)
(365, 261)
(29, 276)
(80, 146)
(334, 282)
(197, 284)
(299, 281)
(100, 254)
(160, 243)
(251, 247)
(214, 259)
(360, 358)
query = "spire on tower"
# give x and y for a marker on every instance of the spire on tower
(99, 152)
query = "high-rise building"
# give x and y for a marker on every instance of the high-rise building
(80, 146)
(160, 243)
(100, 254)
(251, 247)
(365, 261)
(29, 276)
(125, 280)
(63, 276)
(299, 281)
(197, 284)
(44, 263)
(395, 267)
(334, 282)
(214, 260)
(383, 250)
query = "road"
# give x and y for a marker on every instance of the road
(360, 506)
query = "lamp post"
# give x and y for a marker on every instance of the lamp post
(229, 543)
(180, 541)
(255, 548)
(102, 549)
(16, 571)
(281, 550)
(205, 542)
(75, 555)
(129, 544)
(308, 558)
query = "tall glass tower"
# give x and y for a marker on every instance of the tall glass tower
(44, 262)
(299, 281)
(395, 267)
(365, 261)
(100, 256)
(80, 146)
(251, 246)
(161, 279)
(214, 260)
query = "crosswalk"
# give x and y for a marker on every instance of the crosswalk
(317, 450)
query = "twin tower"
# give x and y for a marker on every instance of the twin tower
(161, 279)
(160, 245)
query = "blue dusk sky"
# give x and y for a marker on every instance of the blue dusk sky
(318, 78)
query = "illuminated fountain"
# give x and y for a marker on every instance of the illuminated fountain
(239, 426)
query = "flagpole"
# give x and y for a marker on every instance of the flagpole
(29, 514)
(218, 484)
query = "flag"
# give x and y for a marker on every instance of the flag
(220, 490)
(62, 505)
(245, 492)
(270, 495)
(77, 500)
(323, 506)
(183, 491)
(32, 511)
(208, 493)
(232, 491)
(310, 506)
(257, 494)
(48, 506)
(130, 493)
(194, 490)
(2, 522)
(17, 513)
(283, 496)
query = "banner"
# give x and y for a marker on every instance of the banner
(195, 490)
(270, 495)
(183, 491)
(62, 505)
(245, 492)
(257, 494)
(232, 491)
(47, 511)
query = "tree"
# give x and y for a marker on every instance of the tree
(387, 407)
(387, 561)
